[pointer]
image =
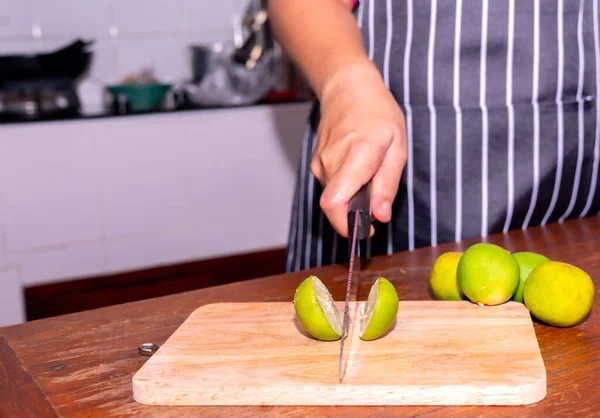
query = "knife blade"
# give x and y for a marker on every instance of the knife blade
(359, 226)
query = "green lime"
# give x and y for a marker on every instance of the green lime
(443, 280)
(316, 310)
(559, 294)
(380, 310)
(488, 274)
(527, 261)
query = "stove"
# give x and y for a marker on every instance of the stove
(38, 100)
(42, 86)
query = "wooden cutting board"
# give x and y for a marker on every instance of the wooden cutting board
(436, 353)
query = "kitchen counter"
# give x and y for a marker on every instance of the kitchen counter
(110, 114)
(82, 364)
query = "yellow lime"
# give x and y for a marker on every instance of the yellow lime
(316, 310)
(488, 274)
(559, 294)
(379, 311)
(527, 262)
(443, 280)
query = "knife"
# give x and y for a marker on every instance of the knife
(359, 226)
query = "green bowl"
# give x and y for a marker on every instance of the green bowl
(141, 97)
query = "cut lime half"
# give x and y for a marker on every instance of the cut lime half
(316, 310)
(380, 310)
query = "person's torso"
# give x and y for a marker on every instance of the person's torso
(444, 52)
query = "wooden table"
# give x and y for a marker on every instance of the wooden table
(81, 365)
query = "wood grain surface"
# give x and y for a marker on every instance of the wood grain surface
(84, 362)
(20, 396)
(436, 353)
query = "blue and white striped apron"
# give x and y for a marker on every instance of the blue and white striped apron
(502, 122)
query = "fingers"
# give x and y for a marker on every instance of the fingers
(317, 169)
(348, 173)
(384, 186)
(316, 166)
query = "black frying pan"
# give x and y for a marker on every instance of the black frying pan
(66, 63)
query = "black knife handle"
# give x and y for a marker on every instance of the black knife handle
(361, 203)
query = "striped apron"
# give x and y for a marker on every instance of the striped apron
(502, 122)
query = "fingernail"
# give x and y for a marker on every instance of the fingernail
(386, 209)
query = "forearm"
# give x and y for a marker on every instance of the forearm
(322, 38)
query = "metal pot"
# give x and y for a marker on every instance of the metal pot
(204, 58)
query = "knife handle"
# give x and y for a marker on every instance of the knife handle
(361, 203)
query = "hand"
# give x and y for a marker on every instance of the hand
(361, 136)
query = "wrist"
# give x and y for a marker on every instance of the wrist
(348, 74)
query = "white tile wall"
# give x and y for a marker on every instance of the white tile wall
(199, 18)
(144, 190)
(3, 257)
(16, 18)
(70, 18)
(171, 63)
(72, 260)
(51, 43)
(143, 17)
(128, 34)
(12, 306)
(164, 246)
(48, 191)
(17, 46)
(164, 55)
(237, 208)
(199, 37)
